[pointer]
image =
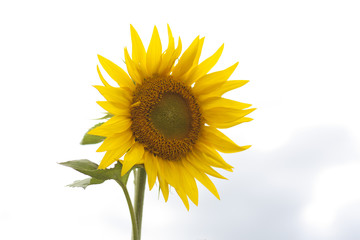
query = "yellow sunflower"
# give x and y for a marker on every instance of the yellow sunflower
(166, 114)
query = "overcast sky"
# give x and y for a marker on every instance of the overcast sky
(298, 181)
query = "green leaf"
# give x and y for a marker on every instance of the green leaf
(91, 169)
(86, 182)
(92, 139)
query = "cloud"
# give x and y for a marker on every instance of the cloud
(268, 192)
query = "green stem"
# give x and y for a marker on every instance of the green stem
(140, 181)
(135, 231)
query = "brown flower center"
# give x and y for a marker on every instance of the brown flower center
(165, 117)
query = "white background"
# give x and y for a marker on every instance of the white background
(300, 180)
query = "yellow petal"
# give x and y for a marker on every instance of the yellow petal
(204, 67)
(228, 86)
(167, 58)
(185, 78)
(106, 84)
(170, 172)
(114, 155)
(214, 137)
(213, 158)
(116, 73)
(198, 53)
(229, 124)
(117, 125)
(198, 160)
(186, 60)
(150, 168)
(114, 94)
(202, 178)
(221, 115)
(170, 64)
(153, 55)
(212, 81)
(188, 184)
(138, 50)
(178, 49)
(217, 102)
(116, 141)
(114, 108)
(133, 70)
(164, 188)
(171, 38)
(116, 119)
(162, 172)
(109, 158)
(183, 197)
(134, 156)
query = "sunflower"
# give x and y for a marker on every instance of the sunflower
(166, 113)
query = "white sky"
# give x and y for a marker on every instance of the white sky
(299, 180)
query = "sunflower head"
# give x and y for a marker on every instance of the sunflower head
(166, 115)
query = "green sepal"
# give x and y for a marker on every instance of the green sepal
(86, 182)
(91, 169)
(92, 139)
(108, 115)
